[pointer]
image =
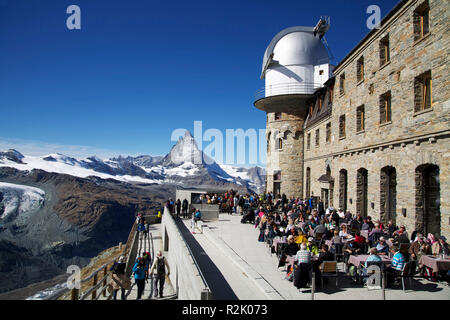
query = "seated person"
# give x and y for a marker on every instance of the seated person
(373, 257)
(329, 233)
(301, 238)
(350, 248)
(324, 255)
(398, 262)
(375, 232)
(343, 233)
(303, 255)
(440, 247)
(291, 247)
(365, 225)
(274, 232)
(417, 249)
(336, 237)
(382, 247)
(311, 224)
(320, 229)
(400, 236)
(312, 247)
(359, 238)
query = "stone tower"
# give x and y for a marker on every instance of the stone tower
(296, 63)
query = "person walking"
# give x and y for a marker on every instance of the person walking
(195, 217)
(185, 206)
(119, 280)
(159, 265)
(178, 206)
(139, 276)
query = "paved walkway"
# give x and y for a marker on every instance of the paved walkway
(252, 273)
(169, 292)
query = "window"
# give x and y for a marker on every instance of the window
(331, 92)
(320, 103)
(317, 137)
(280, 143)
(422, 92)
(385, 107)
(321, 72)
(342, 126)
(384, 51)
(311, 107)
(360, 69)
(421, 21)
(308, 141)
(277, 115)
(342, 84)
(328, 132)
(360, 118)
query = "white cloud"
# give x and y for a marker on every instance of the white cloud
(39, 148)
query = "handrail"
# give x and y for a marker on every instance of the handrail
(287, 88)
(55, 295)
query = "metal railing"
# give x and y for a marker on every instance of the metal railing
(287, 88)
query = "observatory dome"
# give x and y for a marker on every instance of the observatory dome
(296, 46)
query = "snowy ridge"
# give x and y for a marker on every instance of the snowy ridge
(183, 161)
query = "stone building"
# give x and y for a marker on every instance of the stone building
(376, 133)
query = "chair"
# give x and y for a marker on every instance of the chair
(338, 251)
(329, 270)
(364, 248)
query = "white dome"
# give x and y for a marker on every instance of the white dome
(300, 48)
(295, 46)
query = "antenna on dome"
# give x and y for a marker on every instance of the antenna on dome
(322, 26)
(320, 29)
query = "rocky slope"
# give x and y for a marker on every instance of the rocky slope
(77, 218)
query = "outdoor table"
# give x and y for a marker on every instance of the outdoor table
(290, 260)
(357, 260)
(436, 263)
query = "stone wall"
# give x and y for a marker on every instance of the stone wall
(410, 139)
(289, 160)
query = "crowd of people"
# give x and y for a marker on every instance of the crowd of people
(313, 234)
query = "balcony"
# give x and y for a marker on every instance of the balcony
(284, 96)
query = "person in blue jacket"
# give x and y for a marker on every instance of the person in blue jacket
(139, 270)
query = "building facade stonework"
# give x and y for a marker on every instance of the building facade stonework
(376, 138)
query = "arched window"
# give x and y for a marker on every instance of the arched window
(280, 144)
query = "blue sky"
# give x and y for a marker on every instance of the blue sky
(137, 70)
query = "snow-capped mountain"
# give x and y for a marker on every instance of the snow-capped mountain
(184, 165)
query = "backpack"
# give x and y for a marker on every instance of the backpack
(198, 215)
(160, 266)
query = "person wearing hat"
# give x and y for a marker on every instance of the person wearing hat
(312, 247)
(118, 278)
(440, 247)
(381, 246)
